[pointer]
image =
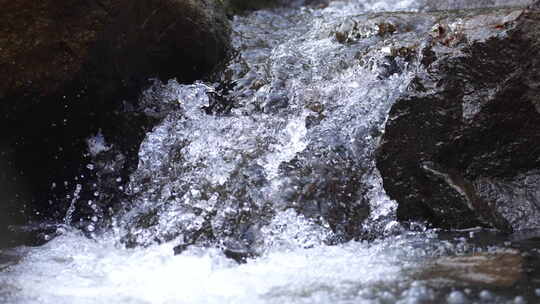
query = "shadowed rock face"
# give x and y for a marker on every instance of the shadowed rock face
(73, 68)
(462, 147)
(48, 46)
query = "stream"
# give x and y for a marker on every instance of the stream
(261, 186)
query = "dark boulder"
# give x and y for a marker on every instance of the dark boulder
(461, 147)
(73, 69)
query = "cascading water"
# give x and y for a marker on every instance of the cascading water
(295, 133)
(271, 165)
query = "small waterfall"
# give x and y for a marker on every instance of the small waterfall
(290, 130)
(271, 164)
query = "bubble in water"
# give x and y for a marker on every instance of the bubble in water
(486, 295)
(457, 297)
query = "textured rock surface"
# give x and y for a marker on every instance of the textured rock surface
(468, 4)
(47, 45)
(499, 269)
(73, 68)
(462, 147)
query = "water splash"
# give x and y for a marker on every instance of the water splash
(74, 269)
(68, 218)
(276, 157)
(294, 129)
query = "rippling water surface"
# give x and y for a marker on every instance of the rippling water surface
(275, 161)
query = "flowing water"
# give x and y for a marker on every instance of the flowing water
(260, 187)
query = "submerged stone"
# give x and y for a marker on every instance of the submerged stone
(501, 269)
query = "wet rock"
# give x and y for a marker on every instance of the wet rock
(352, 30)
(47, 45)
(467, 4)
(461, 148)
(238, 251)
(73, 69)
(498, 269)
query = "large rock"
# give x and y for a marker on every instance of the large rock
(73, 68)
(48, 46)
(462, 147)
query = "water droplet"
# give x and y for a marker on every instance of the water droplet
(457, 297)
(486, 295)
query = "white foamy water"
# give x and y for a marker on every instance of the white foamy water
(399, 269)
(74, 269)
